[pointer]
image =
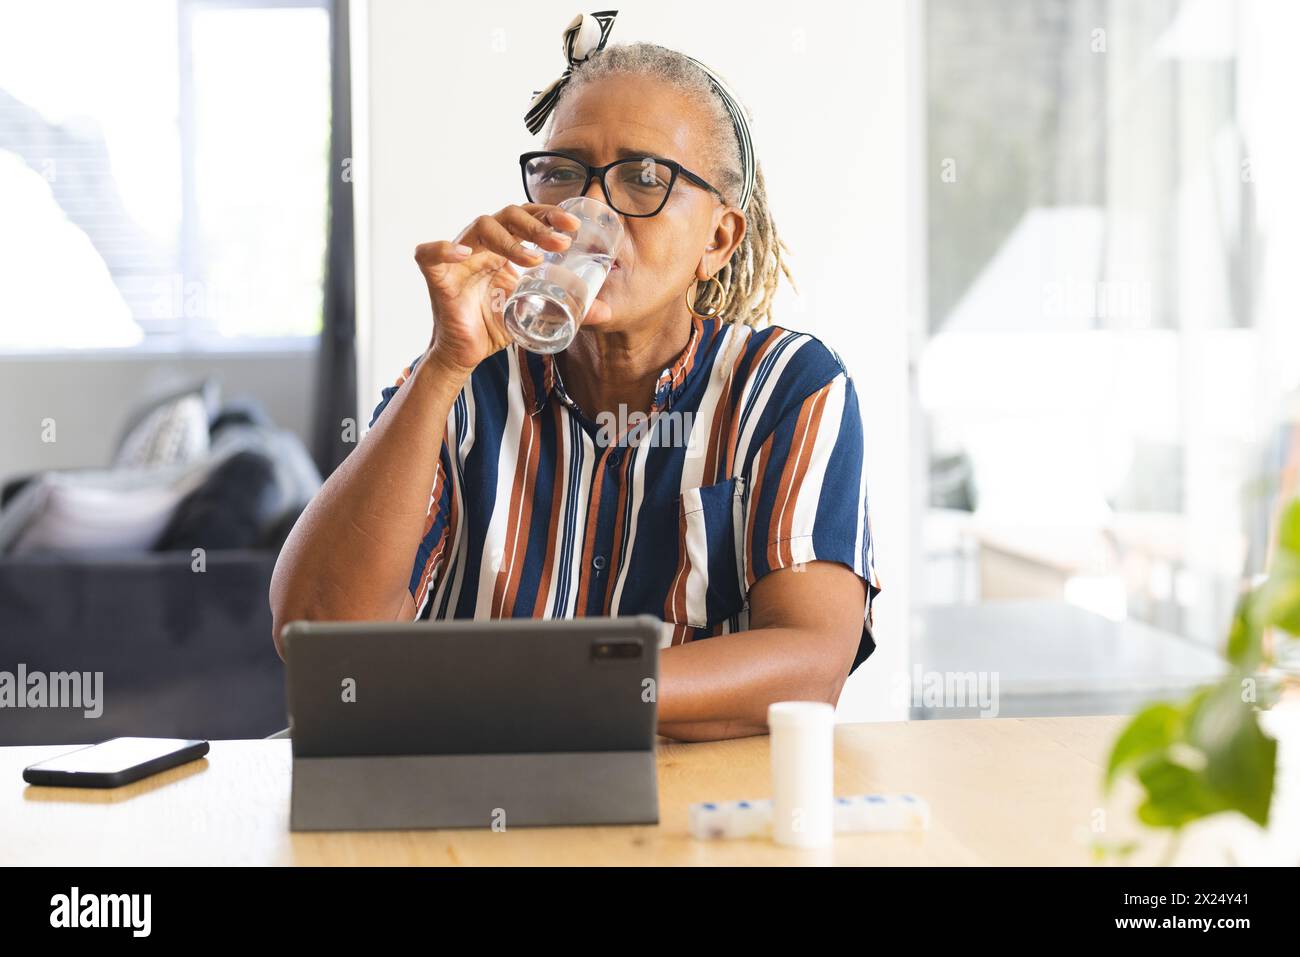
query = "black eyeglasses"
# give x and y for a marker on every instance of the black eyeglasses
(637, 187)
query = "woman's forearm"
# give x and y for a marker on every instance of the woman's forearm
(349, 556)
(710, 730)
(721, 687)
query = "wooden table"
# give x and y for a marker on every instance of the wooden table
(1001, 791)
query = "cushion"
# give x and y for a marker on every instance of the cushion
(263, 482)
(94, 511)
(233, 506)
(13, 486)
(247, 491)
(20, 510)
(241, 412)
(295, 472)
(169, 431)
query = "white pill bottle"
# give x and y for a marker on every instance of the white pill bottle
(803, 772)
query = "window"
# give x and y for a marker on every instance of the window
(163, 168)
(1111, 336)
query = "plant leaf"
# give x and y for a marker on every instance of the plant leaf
(1148, 734)
(1288, 533)
(1176, 795)
(1277, 601)
(1245, 646)
(1240, 758)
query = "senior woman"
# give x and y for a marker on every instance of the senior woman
(490, 484)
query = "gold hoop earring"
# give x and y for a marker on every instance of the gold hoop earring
(707, 315)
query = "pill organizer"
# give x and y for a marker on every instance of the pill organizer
(714, 820)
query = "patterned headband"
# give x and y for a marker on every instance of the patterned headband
(587, 34)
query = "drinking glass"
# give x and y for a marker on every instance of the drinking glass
(547, 307)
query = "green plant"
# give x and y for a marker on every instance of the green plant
(1207, 753)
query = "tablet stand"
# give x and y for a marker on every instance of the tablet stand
(473, 790)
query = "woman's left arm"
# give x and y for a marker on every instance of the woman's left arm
(805, 625)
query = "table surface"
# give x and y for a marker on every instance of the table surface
(1001, 791)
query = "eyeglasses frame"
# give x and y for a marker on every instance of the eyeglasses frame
(598, 172)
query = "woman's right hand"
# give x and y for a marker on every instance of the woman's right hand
(471, 278)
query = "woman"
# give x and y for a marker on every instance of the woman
(735, 510)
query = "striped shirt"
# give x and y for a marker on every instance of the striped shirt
(750, 460)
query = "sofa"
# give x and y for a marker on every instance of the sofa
(166, 613)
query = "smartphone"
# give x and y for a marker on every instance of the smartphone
(116, 762)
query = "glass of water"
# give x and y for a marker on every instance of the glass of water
(547, 307)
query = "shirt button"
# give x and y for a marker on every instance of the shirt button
(614, 458)
(598, 562)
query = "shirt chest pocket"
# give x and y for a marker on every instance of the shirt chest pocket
(709, 584)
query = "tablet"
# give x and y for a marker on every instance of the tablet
(500, 723)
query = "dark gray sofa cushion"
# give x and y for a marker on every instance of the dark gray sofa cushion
(233, 507)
